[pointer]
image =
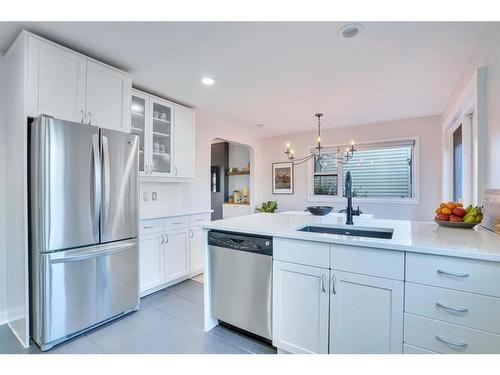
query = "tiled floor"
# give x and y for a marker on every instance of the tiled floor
(170, 321)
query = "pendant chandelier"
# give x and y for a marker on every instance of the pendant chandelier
(315, 154)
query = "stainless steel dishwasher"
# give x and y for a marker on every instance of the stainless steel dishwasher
(241, 281)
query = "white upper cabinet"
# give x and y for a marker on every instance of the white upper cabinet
(184, 142)
(70, 86)
(56, 81)
(166, 135)
(108, 97)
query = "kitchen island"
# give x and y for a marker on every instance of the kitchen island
(427, 289)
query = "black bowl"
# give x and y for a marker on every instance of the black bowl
(320, 210)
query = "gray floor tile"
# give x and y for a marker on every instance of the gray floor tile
(181, 308)
(247, 343)
(185, 288)
(79, 345)
(9, 344)
(180, 336)
(124, 338)
(195, 296)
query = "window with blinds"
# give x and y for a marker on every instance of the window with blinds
(378, 170)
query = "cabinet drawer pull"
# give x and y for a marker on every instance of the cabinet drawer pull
(453, 309)
(199, 219)
(454, 274)
(177, 223)
(323, 283)
(149, 227)
(456, 344)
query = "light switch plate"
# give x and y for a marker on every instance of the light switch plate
(154, 195)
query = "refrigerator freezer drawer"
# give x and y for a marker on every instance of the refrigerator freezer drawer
(84, 287)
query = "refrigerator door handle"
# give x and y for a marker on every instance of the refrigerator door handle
(106, 178)
(89, 253)
(96, 186)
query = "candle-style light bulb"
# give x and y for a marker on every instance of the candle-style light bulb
(319, 139)
(288, 145)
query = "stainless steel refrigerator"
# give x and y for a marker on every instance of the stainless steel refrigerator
(83, 227)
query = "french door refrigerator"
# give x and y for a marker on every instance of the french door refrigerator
(83, 227)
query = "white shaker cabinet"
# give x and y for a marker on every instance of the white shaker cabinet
(366, 314)
(196, 249)
(56, 81)
(151, 261)
(184, 147)
(233, 210)
(108, 97)
(300, 308)
(70, 86)
(176, 254)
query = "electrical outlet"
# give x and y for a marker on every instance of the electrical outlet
(154, 195)
(145, 196)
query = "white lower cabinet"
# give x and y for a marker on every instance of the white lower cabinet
(151, 261)
(232, 210)
(300, 308)
(366, 314)
(171, 250)
(176, 254)
(196, 249)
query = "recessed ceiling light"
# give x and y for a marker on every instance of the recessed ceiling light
(350, 31)
(260, 126)
(209, 81)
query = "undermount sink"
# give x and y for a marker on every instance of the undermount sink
(384, 233)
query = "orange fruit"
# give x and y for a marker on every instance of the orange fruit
(438, 210)
(460, 204)
(446, 211)
(451, 205)
(442, 205)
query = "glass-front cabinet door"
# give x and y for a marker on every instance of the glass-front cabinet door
(138, 113)
(161, 137)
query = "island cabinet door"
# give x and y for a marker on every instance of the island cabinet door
(366, 314)
(300, 308)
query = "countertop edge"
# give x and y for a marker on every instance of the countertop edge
(175, 214)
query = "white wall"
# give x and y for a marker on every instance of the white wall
(196, 195)
(3, 271)
(239, 157)
(487, 53)
(427, 128)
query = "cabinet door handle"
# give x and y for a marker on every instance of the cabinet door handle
(149, 227)
(90, 118)
(191, 233)
(453, 309)
(83, 116)
(453, 274)
(455, 344)
(175, 171)
(150, 169)
(334, 284)
(146, 168)
(162, 239)
(166, 238)
(323, 283)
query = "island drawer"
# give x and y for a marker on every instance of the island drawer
(467, 309)
(469, 275)
(151, 226)
(199, 219)
(309, 253)
(410, 349)
(176, 222)
(368, 261)
(442, 337)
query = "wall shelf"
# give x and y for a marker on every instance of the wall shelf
(237, 173)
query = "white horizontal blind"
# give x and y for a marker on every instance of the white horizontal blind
(382, 172)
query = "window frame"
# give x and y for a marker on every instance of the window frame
(415, 199)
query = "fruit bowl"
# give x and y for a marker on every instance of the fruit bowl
(453, 224)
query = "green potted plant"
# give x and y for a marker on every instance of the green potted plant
(269, 207)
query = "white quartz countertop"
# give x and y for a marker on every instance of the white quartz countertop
(172, 213)
(413, 236)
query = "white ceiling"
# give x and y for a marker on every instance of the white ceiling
(280, 74)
